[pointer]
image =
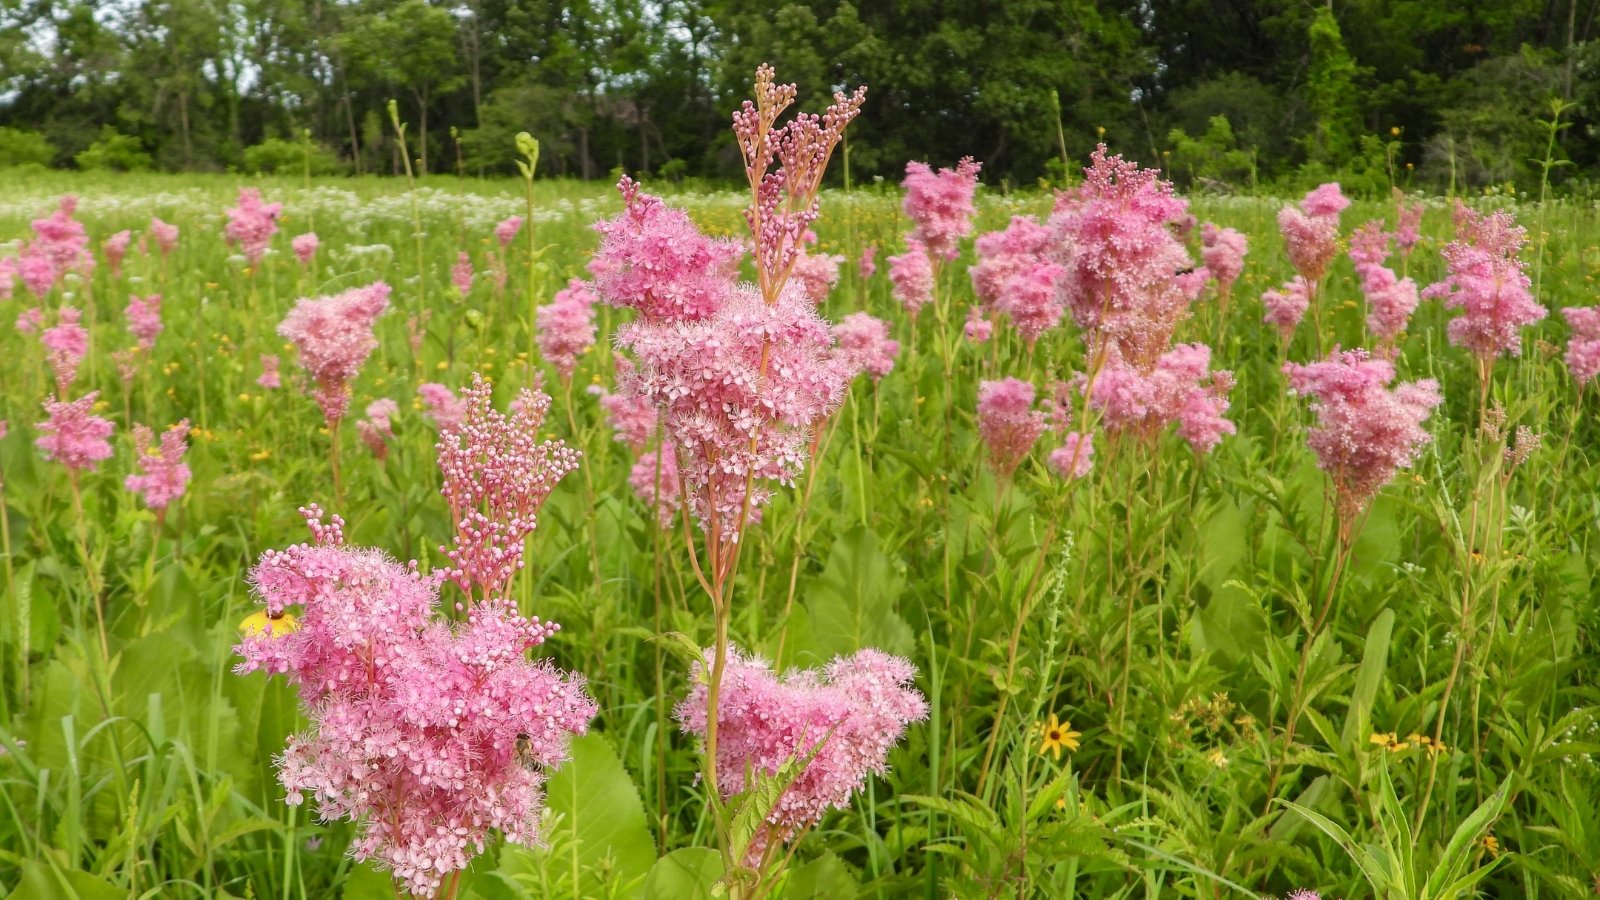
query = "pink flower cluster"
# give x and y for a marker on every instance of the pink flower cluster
(632, 416)
(65, 345)
(846, 717)
(116, 247)
(1390, 299)
(1365, 431)
(166, 235)
(165, 474)
(497, 474)
(269, 377)
(1486, 281)
(864, 345)
(1583, 347)
(653, 259)
(817, 273)
(566, 326)
(376, 429)
(73, 435)
(445, 409)
(978, 328)
(911, 273)
(1180, 388)
(654, 478)
(251, 224)
(144, 319)
(305, 247)
(425, 733)
(1075, 457)
(461, 273)
(1286, 306)
(1408, 223)
(1129, 280)
(506, 231)
(1223, 251)
(334, 335)
(1015, 277)
(940, 205)
(62, 240)
(1007, 422)
(1311, 231)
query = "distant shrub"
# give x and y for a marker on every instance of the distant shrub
(278, 156)
(19, 147)
(114, 151)
(1214, 160)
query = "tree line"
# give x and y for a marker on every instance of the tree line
(1226, 93)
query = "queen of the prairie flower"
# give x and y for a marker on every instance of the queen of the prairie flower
(65, 345)
(73, 435)
(1015, 277)
(566, 326)
(1486, 281)
(163, 475)
(1223, 251)
(144, 319)
(911, 273)
(1583, 347)
(334, 336)
(1008, 423)
(845, 717)
(1180, 389)
(251, 224)
(864, 345)
(1311, 230)
(428, 734)
(940, 205)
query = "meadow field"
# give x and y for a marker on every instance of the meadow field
(1191, 662)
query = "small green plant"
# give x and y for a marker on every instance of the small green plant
(114, 151)
(20, 147)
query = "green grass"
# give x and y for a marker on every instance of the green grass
(150, 774)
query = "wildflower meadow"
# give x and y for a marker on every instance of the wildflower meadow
(449, 537)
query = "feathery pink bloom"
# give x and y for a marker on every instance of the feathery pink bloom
(1008, 423)
(116, 247)
(37, 271)
(566, 327)
(507, 230)
(376, 429)
(1075, 457)
(269, 377)
(1365, 431)
(941, 204)
(30, 320)
(426, 734)
(1311, 232)
(497, 475)
(864, 345)
(657, 484)
(632, 416)
(73, 435)
(1180, 389)
(334, 336)
(1114, 237)
(846, 717)
(1583, 347)
(65, 346)
(461, 273)
(1223, 250)
(165, 475)
(978, 329)
(1303, 894)
(1286, 306)
(1486, 281)
(445, 409)
(1390, 299)
(144, 319)
(305, 247)
(252, 223)
(1408, 224)
(8, 277)
(868, 263)
(912, 275)
(1369, 244)
(1014, 277)
(166, 235)
(817, 273)
(653, 259)
(63, 240)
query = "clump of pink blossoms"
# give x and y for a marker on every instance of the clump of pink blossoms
(850, 714)
(566, 326)
(1486, 281)
(427, 734)
(166, 235)
(1390, 299)
(73, 435)
(654, 478)
(1583, 347)
(497, 474)
(252, 223)
(1223, 251)
(506, 231)
(461, 273)
(864, 345)
(63, 240)
(444, 407)
(65, 345)
(1286, 306)
(1075, 457)
(868, 263)
(911, 273)
(164, 473)
(1311, 231)
(37, 271)
(116, 247)
(1128, 279)
(653, 259)
(1179, 389)
(144, 319)
(1008, 423)
(1365, 431)
(978, 328)
(269, 377)
(940, 205)
(376, 429)
(632, 417)
(1014, 277)
(334, 336)
(305, 247)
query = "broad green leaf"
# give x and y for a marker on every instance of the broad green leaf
(687, 874)
(1374, 659)
(853, 603)
(601, 812)
(823, 878)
